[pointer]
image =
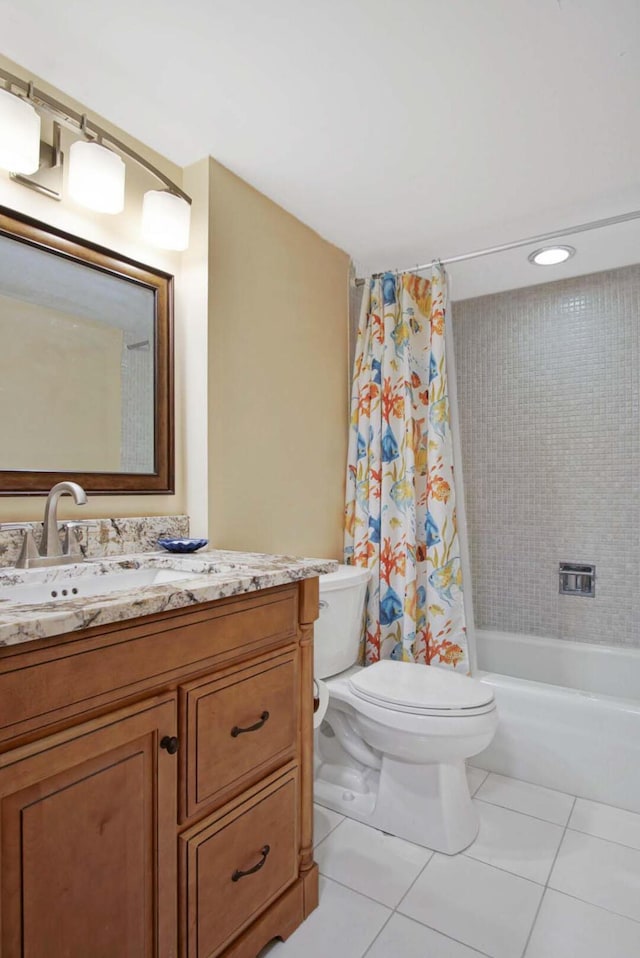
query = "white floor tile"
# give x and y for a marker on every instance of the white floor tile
(378, 865)
(529, 799)
(479, 905)
(324, 821)
(343, 926)
(475, 778)
(566, 927)
(403, 937)
(519, 844)
(599, 872)
(604, 821)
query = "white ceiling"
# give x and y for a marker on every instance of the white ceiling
(400, 130)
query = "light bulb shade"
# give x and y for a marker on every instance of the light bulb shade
(19, 135)
(165, 220)
(96, 177)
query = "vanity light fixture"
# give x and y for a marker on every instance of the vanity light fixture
(19, 134)
(96, 177)
(551, 255)
(96, 169)
(165, 219)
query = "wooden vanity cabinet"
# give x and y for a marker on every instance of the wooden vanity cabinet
(156, 783)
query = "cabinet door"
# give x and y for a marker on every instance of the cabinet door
(88, 819)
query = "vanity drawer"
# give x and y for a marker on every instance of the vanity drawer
(237, 863)
(239, 725)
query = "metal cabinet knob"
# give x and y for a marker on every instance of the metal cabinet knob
(170, 743)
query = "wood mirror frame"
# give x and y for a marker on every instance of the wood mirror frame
(58, 243)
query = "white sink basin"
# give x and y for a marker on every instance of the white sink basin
(85, 585)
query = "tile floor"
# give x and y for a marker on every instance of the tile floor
(549, 876)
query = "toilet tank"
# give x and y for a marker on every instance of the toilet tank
(338, 630)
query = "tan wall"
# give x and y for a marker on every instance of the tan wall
(278, 346)
(67, 413)
(120, 233)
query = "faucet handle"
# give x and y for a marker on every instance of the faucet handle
(29, 550)
(71, 546)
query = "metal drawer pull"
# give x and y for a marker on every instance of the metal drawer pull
(237, 875)
(236, 730)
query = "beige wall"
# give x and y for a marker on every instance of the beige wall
(192, 305)
(278, 345)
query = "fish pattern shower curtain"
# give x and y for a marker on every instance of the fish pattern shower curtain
(400, 517)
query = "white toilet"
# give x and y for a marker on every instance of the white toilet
(391, 750)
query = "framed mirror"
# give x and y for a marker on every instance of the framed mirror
(86, 365)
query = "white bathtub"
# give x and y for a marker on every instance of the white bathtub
(569, 715)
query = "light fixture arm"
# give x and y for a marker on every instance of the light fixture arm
(79, 121)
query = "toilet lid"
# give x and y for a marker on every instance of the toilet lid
(404, 685)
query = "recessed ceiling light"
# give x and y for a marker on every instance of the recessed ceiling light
(551, 255)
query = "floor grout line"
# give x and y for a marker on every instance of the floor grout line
(372, 943)
(499, 868)
(336, 881)
(480, 784)
(458, 941)
(591, 904)
(612, 841)
(402, 898)
(616, 808)
(517, 811)
(324, 837)
(546, 884)
(525, 781)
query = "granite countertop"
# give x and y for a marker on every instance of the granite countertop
(215, 575)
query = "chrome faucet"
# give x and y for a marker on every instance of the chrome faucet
(50, 547)
(51, 551)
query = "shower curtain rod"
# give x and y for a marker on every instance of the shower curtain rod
(540, 238)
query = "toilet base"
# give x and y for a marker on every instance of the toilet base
(426, 804)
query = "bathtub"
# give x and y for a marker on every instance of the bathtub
(569, 715)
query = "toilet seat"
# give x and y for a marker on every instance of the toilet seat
(405, 687)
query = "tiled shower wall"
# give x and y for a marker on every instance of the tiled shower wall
(549, 397)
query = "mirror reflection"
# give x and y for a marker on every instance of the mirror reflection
(77, 357)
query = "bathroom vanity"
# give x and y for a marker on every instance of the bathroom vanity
(156, 763)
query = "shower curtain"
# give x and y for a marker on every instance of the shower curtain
(400, 516)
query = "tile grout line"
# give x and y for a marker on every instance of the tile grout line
(480, 784)
(375, 901)
(372, 943)
(583, 901)
(517, 811)
(546, 788)
(613, 841)
(499, 868)
(546, 884)
(324, 837)
(443, 934)
(402, 897)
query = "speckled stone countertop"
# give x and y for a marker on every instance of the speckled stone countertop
(210, 575)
